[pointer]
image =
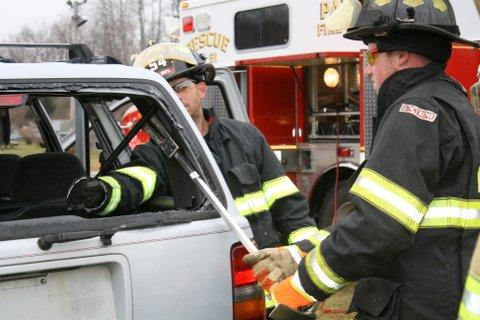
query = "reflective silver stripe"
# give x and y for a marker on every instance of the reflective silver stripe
(261, 200)
(294, 253)
(114, 197)
(251, 203)
(145, 176)
(301, 234)
(452, 212)
(390, 198)
(278, 188)
(320, 273)
(470, 305)
(318, 237)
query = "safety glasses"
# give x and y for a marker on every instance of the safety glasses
(372, 56)
(181, 86)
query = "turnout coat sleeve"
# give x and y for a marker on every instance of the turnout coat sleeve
(289, 208)
(263, 193)
(391, 193)
(137, 182)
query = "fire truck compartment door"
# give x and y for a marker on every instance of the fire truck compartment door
(273, 96)
(86, 288)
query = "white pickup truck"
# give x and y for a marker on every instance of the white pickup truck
(173, 259)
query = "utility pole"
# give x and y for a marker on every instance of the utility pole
(77, 21)
(76, 111)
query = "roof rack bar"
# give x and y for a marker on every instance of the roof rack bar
(76, 51)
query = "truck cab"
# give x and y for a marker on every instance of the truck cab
(173, 258)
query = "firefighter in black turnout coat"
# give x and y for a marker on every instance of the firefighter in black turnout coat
(415, 215)
(262, 192)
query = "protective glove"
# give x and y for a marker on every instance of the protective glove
(272, 265)
(288, 292)
(88, 195)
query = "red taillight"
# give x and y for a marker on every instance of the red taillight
(248, 298)
(187, 23)
(242, 273)
(12, 100)
(345, 152)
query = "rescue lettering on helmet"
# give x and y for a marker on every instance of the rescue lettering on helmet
(422, 114)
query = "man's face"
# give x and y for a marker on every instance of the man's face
(191, 94)
(381, 65)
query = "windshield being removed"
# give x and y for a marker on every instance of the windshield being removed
(49, 141)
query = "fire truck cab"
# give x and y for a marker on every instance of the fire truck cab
(304, 84)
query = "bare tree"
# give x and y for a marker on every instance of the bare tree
(120, 28)
(141, 21)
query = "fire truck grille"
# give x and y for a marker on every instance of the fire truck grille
(214, 99)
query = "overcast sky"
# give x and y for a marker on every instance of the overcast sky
(16, 13)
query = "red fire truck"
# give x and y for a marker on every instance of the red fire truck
(304, 85)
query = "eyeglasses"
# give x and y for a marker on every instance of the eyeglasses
(182, 85)
(372, 56)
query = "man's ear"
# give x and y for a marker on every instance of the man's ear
(202, 89)
(404, 59)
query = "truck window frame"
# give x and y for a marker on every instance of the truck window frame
(35, 227)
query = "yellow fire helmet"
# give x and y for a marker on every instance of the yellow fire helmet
(173, 61)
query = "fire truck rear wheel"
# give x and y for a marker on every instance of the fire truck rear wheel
(324, 218)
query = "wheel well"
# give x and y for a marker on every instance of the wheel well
(323, 185)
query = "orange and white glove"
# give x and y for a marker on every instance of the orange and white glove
(290, 293)
(272, 265)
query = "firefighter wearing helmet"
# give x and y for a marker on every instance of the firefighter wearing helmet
(277, 212)
(414, 204)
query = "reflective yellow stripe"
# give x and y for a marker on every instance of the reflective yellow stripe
(278, 188)
(114, 197)
(318, 237)
(251, 203)
(390, 198)
(301, 234)
(261, 200)
(452, 212)
(269, 303)
(470, 306)
(145, 176)
(321, 274)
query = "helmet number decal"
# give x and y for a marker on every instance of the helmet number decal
(155, 65)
